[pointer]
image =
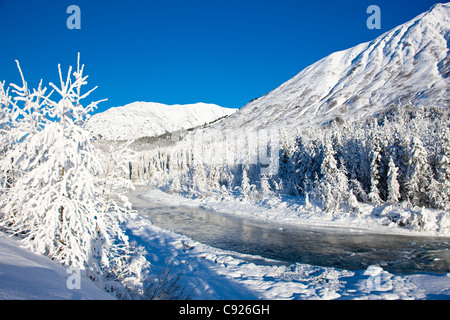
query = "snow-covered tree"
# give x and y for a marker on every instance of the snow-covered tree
(5, 111)
(114, 175)
(175, 186)
(57, 203)
(308, 161)
(199, 183)
(436, 195)
(224, 194)
(328, 187)
(358, 165)
(6, 175)
(266, 190)
(439, 189)
(213, 177)
(375, 164)
(392, 183)
(352, 201)
(418, 174)
(245, 187)
(21, 116)
(400, 154)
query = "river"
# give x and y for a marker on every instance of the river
(328, 247)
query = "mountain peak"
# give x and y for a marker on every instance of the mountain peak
(409, 64)
(437, 14)
(141, 119)
(439, 7)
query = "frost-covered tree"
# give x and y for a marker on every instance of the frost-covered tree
(352, 201)
(5, 113)
(392, 183)
(375, 164)
(299, 170)
(175, 186)
(199, 183)
(21, 116)
(245, 187)
(214, 177)
(57, 203)
(399, 151)
(437, 195)
(328, 188)
(305, 165)
(6, 175)
(418, 174)
(224, 194)
(439, 190)
(266, 190)
(115, 163)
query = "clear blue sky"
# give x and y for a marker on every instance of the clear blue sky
(185, 51)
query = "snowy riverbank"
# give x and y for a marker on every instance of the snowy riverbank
(210, 273)
(385, 219)
(207, 273)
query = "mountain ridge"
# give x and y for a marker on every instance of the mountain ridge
(147, 119)
(409, 64)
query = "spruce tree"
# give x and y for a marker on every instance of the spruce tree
(266, 190)
(418, 174)
(245, 188)
(375, 164)
(440, 185)
(329, 188)
(392, 183)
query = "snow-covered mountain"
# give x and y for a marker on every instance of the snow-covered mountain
(409, 64)
(141, 119)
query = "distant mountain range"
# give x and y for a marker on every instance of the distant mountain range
(148, 119)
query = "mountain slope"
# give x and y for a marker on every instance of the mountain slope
(140, 119)
(410, 63)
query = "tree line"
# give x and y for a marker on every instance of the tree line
(399, 156)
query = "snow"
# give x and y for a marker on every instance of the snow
(409, 63)
(208, 273)
(28, 276)
(294, 210)
(405, 65)
(211, 273)
(148, 119)
(53, 197)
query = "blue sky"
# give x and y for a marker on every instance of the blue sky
(185, 51)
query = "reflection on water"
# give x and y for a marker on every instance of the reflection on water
(322, 247)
